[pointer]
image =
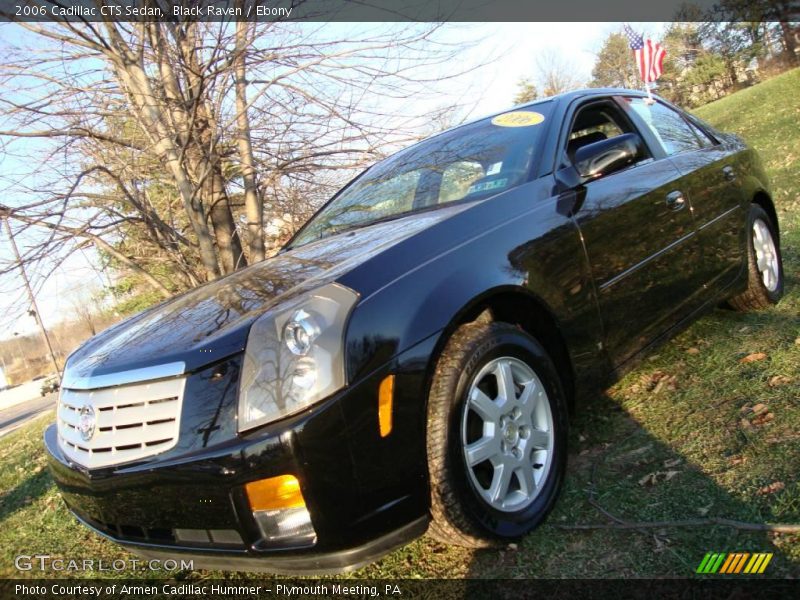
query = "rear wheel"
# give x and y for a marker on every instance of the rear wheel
(497, 425)
(764, 264)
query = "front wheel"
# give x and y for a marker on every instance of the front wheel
(496, 437)
(764, 263)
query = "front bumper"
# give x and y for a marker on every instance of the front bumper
(312, 563)
(366, 495)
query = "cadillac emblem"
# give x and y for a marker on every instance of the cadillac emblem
(86, 423)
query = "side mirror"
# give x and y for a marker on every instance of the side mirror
(606, 156)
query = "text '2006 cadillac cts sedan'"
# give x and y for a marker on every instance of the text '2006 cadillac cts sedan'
(408, 361)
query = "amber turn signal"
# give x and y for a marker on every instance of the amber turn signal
(385, 398)
(275, 493)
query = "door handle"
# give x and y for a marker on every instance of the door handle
(729, 172)
(675, 200)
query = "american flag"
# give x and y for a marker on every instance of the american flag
(649, 55)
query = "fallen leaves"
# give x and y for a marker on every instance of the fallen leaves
(653, 478)
(703, 510)
(630, 454)
(754, 357)
(763, 419)
(778, 380)
(658, 380)
(693, 350)
(755, 416)
(773, 487)
(737, 460)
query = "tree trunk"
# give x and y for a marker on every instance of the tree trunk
(789, 42)
(229, 245)
(135, 82)
(201, 152)
(254, 208)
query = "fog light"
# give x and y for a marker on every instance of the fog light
(280, 511)
(288, 527)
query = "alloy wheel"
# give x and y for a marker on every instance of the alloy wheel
(507, 434)
(766, 255)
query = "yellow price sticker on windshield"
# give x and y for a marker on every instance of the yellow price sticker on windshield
(518, 118)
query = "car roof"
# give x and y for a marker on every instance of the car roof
(565, 97)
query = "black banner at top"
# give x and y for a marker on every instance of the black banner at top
(398, 10)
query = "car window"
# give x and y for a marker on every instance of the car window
(459, 176)
(670, 129)
(594, 123)
(392, 195)
(469, 162)
(712, 134)
(705, 140)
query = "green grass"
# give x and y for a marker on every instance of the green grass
(676, 439)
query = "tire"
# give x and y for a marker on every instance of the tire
(463, 512)
(763, 290)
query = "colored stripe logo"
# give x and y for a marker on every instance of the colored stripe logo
(734, 563)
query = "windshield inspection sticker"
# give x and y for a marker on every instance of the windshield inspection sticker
(518, 118)
(494, 169)
(487, 185)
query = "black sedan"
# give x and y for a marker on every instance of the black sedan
(409, 360)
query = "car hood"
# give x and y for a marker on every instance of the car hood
(211, 322)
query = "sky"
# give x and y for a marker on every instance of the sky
(504, 54)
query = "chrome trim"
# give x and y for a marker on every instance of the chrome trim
(630, 270)
(94, 382)
(718, 218)
(128, 423)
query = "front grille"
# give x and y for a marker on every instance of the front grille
(131, 422)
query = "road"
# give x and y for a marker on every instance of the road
(20, 393)
(21, 413)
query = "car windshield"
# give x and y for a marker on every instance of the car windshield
(467, 163)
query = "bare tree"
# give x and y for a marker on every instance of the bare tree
(168, 145)
(87, 308)
(556, 74)
(553, 74)
(526, 91)
(253, 204)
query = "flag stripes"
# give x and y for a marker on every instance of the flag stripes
(649, 55)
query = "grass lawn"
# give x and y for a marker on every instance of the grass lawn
(694, 433)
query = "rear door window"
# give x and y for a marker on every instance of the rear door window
(673, 133)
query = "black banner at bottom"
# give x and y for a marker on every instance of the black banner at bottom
(496, 589)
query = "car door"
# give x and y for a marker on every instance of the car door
(639, 234)
(710, 175)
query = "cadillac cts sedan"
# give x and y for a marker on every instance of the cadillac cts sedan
(408, 362)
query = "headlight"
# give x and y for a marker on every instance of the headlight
(294, 356)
